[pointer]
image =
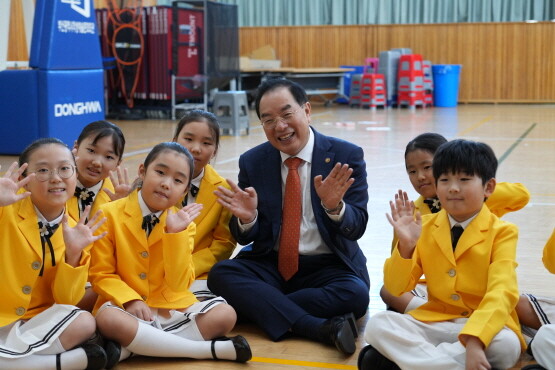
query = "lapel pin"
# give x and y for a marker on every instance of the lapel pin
(328, 160)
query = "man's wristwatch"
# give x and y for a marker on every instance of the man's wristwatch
(332, 210)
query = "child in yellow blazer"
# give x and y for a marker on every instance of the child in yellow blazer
(44, 267)
(542, 346)
(419, 154)
(469, 320)
(199, 132)
(98, 150)
(143, 269)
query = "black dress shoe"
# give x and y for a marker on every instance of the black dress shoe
(96, 356)
(113, 353)
(338, 331)
(353, 322)
(533, 367)
(242, 349)
(370, 358)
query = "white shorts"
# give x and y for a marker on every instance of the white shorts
(545, 310)
(179, 323)
(420, 293)
(200, 289)
(419, 345)
(544, 307)
(543, 346)
(24, 338)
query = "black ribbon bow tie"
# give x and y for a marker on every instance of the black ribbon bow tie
(85, 196)
(433, 204)
(194, 191)
(149, 221)
(46, 232)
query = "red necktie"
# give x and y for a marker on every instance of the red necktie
(288, 262)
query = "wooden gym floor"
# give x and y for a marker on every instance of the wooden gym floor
(522, 136)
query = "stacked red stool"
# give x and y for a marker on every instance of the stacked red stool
(428, 83)
(372, 90)
(410, 80)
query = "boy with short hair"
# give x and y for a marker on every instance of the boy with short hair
(542, 346)
(470, 319)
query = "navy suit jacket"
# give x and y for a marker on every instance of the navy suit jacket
(260, 167)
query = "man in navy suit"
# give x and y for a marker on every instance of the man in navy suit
(330, 286)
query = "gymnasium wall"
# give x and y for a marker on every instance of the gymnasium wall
(502, 62)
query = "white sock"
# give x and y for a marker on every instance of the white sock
(74, 359)
(150, 341)
(225, 350)
(125, 354)
(46, 362)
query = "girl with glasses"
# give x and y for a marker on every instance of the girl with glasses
(44, 261)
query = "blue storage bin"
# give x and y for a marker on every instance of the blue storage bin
(446, 84)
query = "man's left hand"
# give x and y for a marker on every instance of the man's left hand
(332, 189)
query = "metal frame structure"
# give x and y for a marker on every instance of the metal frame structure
(174, 79)
(214, 72)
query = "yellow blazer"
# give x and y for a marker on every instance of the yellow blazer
(24, 293)
(125, 266)
(507, 197)
(213, 241)
(477, 281)
(100, 199)
(549, 254)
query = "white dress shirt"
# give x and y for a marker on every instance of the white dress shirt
(311, 242)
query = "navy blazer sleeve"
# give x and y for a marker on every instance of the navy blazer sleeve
(353, 224)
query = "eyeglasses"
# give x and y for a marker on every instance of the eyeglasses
(44, 174)
(286, 117)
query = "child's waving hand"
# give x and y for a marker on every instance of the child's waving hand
(407, 226)
(178, 221)
(10, 184)
(81, 235)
